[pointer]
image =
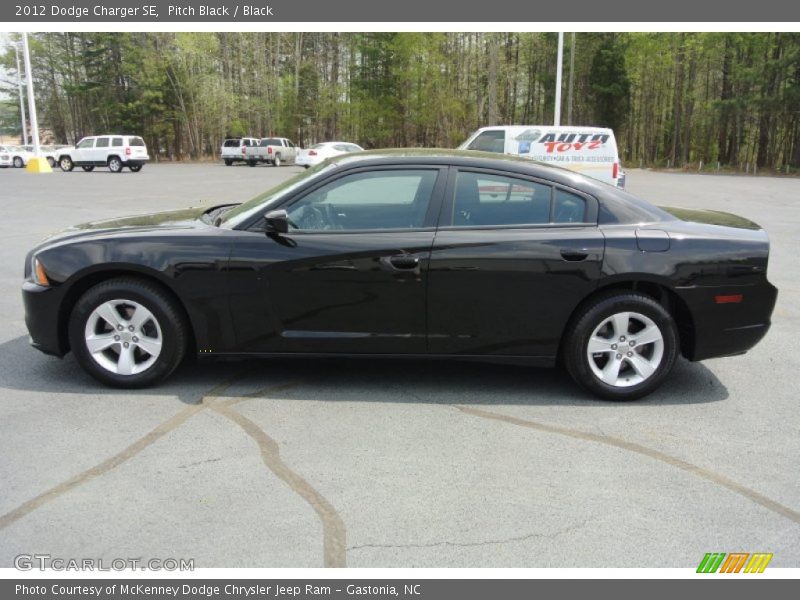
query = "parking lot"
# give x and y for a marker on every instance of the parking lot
(310, 463)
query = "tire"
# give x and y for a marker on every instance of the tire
(51, 161)
(115, 164)
(251, 163)
(119, 301)
(18, 162)
(135, 168)
(228, 162)
(620, 366)
(87, 168)
(66, 164)
(277, 161)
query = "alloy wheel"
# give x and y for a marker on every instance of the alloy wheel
(123, 337)
(625, 349)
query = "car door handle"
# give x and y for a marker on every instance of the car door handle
(573, 254)
(401, 262)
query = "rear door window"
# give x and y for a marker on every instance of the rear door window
(102, 142)
(484, 199)
(136, 141)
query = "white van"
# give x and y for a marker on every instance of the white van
(591, 151)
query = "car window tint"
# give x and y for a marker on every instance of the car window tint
(341, 148)
(568, 208)
(232, 143)
(136, 141)
(489, 141)
(101, 143)
(116, 142)
(392, 199)
(270, 142)
(87, 143)
(482, 199)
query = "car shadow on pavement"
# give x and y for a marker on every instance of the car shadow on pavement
(344, 379)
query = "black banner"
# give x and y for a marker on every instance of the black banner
(474, 11)
(376, 589)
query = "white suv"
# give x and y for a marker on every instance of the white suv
(112, 151)
(235, 149)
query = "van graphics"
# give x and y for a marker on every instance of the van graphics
(566, 146)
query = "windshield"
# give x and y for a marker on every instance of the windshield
(262, 202)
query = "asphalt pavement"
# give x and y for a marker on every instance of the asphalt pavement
(295, 463)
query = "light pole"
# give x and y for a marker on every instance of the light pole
(21, 98)
(557, 117)
(37, 164)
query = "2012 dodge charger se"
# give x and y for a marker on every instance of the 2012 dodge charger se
(407, 254)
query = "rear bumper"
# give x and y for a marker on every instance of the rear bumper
(729, 328)
(42, 306)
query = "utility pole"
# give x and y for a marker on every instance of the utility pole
(37, 164)
(21, 98)
(557, 117)
(571, 77)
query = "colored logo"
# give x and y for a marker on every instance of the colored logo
(735, 562)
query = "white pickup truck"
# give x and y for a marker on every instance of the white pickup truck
(275, 151)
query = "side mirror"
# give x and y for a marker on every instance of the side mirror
(277, 221)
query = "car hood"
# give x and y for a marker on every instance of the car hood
(711, 217)
(185, 218)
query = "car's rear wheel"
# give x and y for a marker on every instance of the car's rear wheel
(127, 333)
(18, 162)
(114, 165)
(87, 168)
(277, 161)
(228, 162)
(621, 346)
(251, 163)
(66, 164)
(135, 168)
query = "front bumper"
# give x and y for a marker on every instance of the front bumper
(42, 318)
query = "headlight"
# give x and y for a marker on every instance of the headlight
(37, 273)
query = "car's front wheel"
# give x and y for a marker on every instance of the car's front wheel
(18, 162)
(51, 161)
(115, 165)
(621, 346)
(66, 164)
(127, 332)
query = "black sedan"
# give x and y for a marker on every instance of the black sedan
(436, 254)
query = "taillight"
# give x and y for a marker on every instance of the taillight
(269, 149)
(730, 299)
(244, 150)
(127, 151)
(312, 152)
(615, 172)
